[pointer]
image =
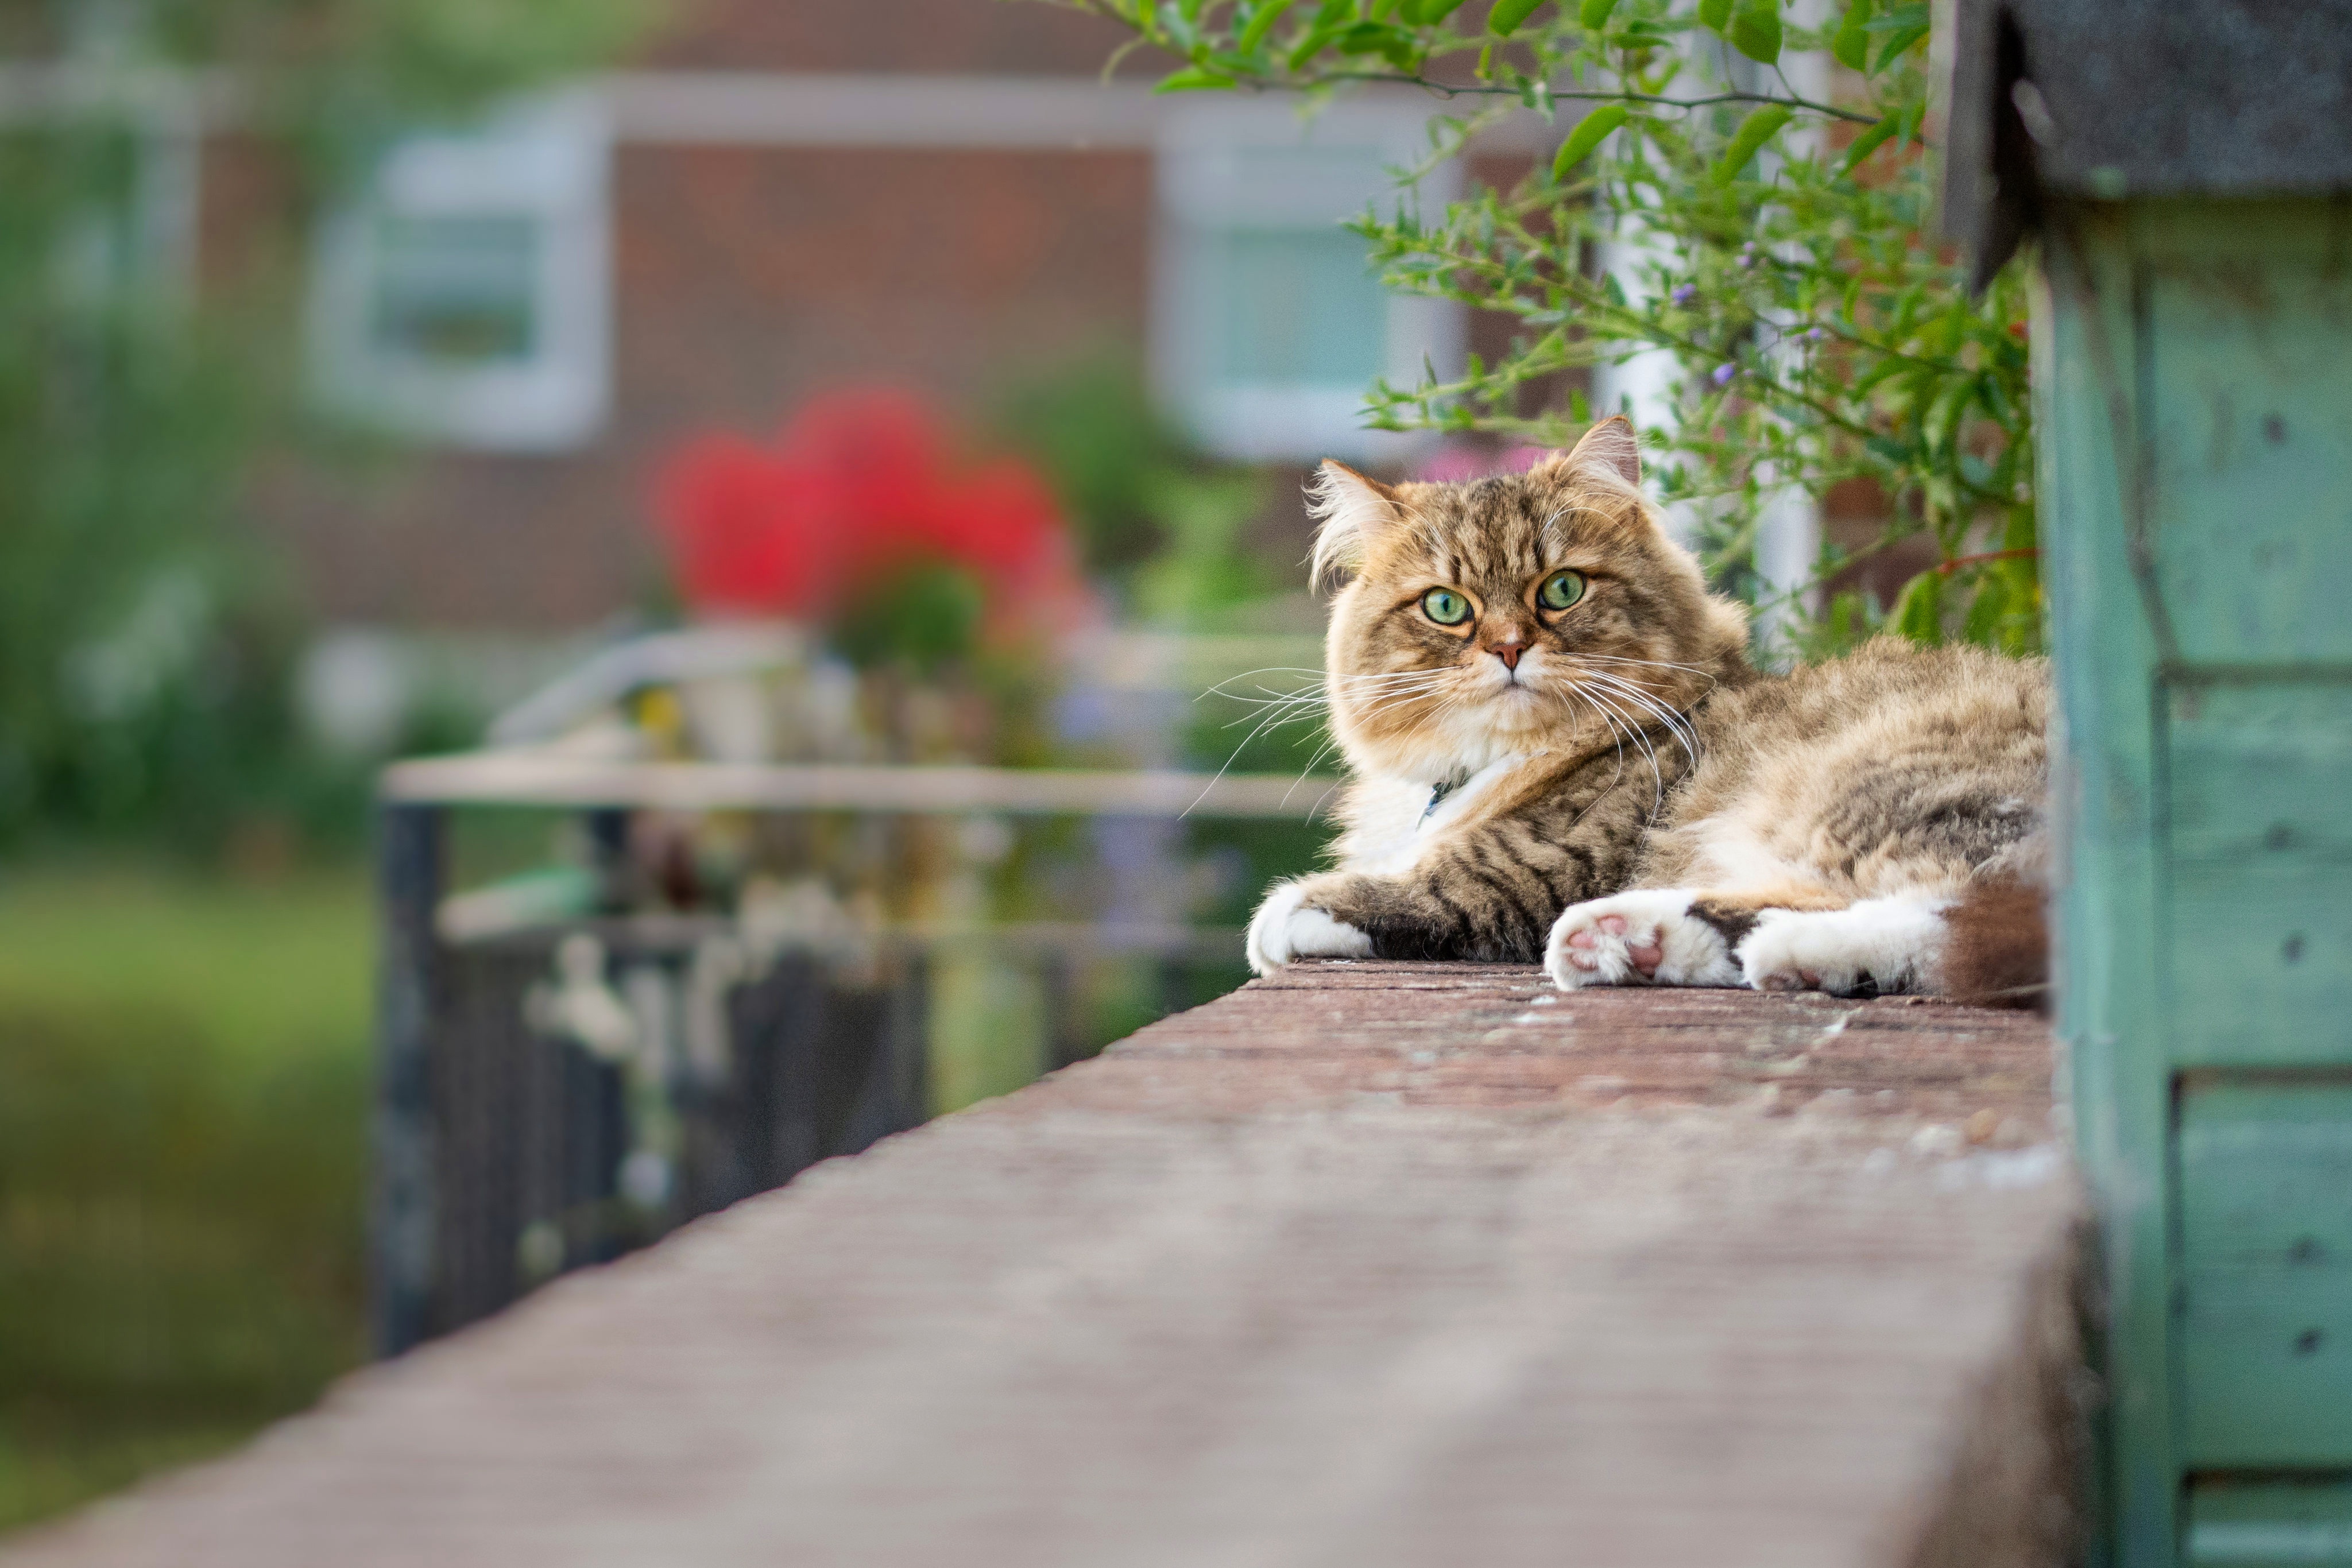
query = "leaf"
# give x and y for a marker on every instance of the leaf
(1850, 44)
(1261, 23)
(1897, 44)
(1311, 45)
(1716, 13)
(1986, 610)
(1756, 30)
(1593, 14)
(1505, 18)
(1918, 612)
(1430, 13)
(1589, 134)
(1365, 38)
(1868, 143)
(1195, 78)
(1760, 127)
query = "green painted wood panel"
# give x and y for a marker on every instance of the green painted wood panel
(2266, 1206)
(2193, 399)
(2258, 829)
(2247, 359)
(2111, 1015)
(2275, 1524)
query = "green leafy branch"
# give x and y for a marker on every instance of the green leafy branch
(1774, 244)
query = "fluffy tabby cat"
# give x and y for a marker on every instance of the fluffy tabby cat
(1561, 753)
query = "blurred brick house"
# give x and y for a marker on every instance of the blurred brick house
(778, 198)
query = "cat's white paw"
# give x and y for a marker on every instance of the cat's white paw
(1281, 931)
(1878, 946)
(1645, 937)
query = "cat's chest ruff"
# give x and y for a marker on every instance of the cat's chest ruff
(1395, 818)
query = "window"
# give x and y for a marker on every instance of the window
(1269, 324)
(465, 295)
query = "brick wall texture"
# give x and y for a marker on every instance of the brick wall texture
(746, 278)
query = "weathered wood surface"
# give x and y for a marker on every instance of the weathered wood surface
(1375, 1263)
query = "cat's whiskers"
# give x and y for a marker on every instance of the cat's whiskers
(1651, 703)
(1648, 664)
(1641, 739)
(1274, 709)
(1642, 686)
(1389, 702)
(1677, 724)
(1615, 734)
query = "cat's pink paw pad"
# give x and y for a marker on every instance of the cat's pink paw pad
(1644, 938)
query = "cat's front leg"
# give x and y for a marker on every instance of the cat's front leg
(1644, 936)
(1292, 924)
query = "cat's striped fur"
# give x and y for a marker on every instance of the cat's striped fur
(1608, 785)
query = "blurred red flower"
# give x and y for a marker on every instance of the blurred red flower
(859, 485)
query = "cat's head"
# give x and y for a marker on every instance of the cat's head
(1543, 611)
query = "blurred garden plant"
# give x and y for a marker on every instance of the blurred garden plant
(928, 572)
(145, 649)
(1774, 246)
(858, 522)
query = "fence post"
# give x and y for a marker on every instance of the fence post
(410, 851)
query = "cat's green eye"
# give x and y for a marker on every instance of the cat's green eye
(1445, 607)
(1560, 590)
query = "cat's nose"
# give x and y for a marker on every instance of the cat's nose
(1508, 652)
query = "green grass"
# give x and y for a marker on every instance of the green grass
(182, 1113)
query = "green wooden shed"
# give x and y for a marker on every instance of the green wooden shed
(2182, 173)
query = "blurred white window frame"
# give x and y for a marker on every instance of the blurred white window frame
(1258, 297)
(465, 295)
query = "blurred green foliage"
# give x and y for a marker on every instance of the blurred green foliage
(146, 645)
(1161, 526)
(926, 616)
(182, 1114)
(1778, 249)
(1091, 426)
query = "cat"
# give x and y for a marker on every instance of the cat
(1560, 753)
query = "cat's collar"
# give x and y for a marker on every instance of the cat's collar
(1440, 791)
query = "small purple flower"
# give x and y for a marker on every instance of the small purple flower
(1816, 334)
(1723, 374)
(1685, 295)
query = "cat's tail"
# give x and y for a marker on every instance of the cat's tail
(1997, 945)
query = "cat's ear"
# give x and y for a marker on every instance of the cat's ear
(1610, 450)
(1353, 512)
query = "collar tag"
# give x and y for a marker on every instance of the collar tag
(1437, 794)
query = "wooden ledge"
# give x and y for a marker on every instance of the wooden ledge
(1368, 1264)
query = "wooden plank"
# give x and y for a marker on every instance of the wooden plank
(2243, 312)
(2191, 394)
(1374, 1264)
(2270, 1524)
(2259, 841)
(2267, 1270)
(541, 779)
(2107, 642)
